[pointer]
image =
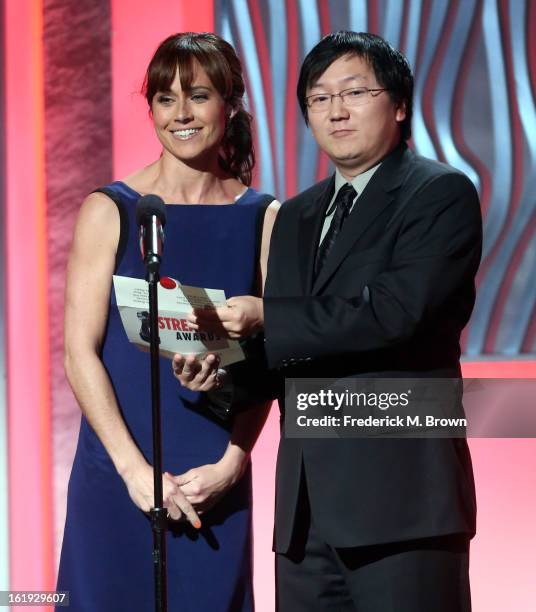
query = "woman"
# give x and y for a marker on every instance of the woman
(217, 235)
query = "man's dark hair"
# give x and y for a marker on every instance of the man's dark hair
(391, 68)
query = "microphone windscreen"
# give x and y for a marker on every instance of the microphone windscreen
(149, 205)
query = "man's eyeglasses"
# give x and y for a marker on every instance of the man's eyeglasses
(356, 96)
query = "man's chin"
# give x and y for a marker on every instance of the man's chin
(346, 160)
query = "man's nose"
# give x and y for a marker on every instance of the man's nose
(337, 109)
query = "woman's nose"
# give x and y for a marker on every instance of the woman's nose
(183, 113)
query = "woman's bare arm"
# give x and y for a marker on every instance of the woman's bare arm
(89, 276)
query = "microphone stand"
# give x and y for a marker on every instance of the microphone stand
(158, 512)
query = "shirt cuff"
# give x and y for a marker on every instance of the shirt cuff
(221, 399)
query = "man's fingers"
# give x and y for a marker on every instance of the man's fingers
(226, 313)
(177, 364)
(190, 368)
(204, 314)
(215, 326)
(212, 316)
(191, 363)
(208, 368)
(204, 369)
(197, 374)
(238, 318)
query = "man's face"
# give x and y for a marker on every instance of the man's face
(354, 137)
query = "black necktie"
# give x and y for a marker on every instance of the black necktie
(343, 203)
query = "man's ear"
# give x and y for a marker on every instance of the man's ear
(400, 113)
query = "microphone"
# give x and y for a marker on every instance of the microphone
(151, 218)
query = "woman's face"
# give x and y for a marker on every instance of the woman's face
(190, 123)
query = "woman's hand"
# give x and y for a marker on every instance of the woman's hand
(203, 486)
(139, 482)
(196, 374)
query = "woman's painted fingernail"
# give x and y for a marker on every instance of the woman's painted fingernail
(197, 524)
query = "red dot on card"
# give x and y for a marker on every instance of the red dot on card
(168, 283)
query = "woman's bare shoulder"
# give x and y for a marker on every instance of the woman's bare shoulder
(142, 180)
(98, 206)
(98, 221)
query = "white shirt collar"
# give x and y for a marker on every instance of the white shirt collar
(359, 182)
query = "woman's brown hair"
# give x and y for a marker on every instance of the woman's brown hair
(220, 62)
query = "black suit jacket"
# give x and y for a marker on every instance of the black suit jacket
(391, 300)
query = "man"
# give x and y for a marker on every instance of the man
(371, 272)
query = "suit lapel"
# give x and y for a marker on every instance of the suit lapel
(378, 194)
(311, 221)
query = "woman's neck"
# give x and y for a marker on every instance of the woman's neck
(176, 181)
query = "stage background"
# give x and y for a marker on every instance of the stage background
(72, 119)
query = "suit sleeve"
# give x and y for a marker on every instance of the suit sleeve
(435, 255)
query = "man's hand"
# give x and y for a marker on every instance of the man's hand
(242, 317)
(196, 374)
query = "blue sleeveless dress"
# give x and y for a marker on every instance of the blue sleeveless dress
(106, 559)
